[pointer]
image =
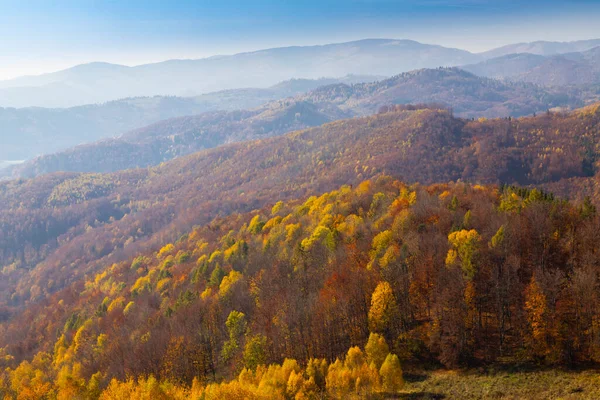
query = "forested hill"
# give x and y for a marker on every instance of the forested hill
(29, 132)
(557, 70)
(59, 227)
(175, 137)
(467, 95)
(86, 287)
(335, 292)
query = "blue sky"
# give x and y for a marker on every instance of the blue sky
(46, 35)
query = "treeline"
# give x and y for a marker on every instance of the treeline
(372, 373)
(413, 107)
(449, 274)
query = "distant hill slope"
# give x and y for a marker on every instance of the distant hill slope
(467, 94)
(542, 48)
(29, 132)
(180, 136)
(506, 66)
(581, 68)
(58, 227)
(100, 82)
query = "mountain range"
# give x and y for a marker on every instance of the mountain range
(543, 48)
(467, 95)
(101, 82)
(529, 83)
(579, 68)
(32, 131)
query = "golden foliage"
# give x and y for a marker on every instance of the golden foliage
(384, 309)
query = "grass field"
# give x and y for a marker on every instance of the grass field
(546, 384)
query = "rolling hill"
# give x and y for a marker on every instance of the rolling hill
(542, 48)
(29, 132)
(175, 137)
(580, 68)
(101, 82)
(60, 226)
(299, 246)
(469, 96)
(463, 92)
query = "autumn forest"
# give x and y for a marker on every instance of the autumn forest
(322, 293)
(371, 219)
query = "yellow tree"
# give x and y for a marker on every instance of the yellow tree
(384, 309)
(391, 374)
(376, 349)
(464, 246)
(236, 326)
(536, 308)
(32, 380)
(255, 352)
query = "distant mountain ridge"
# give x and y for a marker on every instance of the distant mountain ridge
(578, 68)
(33, 131)
(99, 82)
(466, 94)
(543, 48)
(30, 132)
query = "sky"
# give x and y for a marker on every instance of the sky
(47, 35)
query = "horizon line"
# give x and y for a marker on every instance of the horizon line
(284, 47)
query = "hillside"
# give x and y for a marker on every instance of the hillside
(506, 66)
(48, 223)
(29, 132)
(542, 48)
(466, 94)
(130, 273)
(581, 68)
(336, 292)
(100, 82)
(176, 137)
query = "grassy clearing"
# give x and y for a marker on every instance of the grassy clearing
(547, 384)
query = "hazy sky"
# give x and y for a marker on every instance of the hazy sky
(46, 35)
